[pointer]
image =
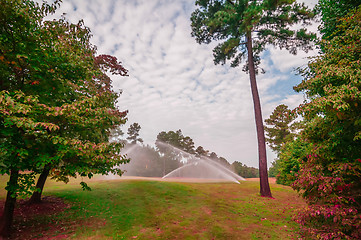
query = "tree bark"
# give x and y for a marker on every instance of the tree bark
(8, 213)
(262, 155)
(36, 197)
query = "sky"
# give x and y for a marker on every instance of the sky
(173, 83)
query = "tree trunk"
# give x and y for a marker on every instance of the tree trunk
(8, 213)
(263, 175)
(36, 197)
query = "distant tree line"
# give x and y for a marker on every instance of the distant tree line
(245, 171)
(172, 150)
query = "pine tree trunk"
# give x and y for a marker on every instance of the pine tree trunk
(36, 197)
(8, 213)
(263, 175)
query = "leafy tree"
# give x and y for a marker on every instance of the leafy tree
(145, 161)
(330, 178)
(97, 113)
(274, 169)
(133, 133)
(331, 12)
(290, 159)
(246, 27)
(57, 108)
(188, 145)
(213, 156)
(177, 140)
(244, 171)
(220, 160)
(174, 146)
(224, 162)
(167, 144)
(201, 152)
(279, 129)
(116, 134)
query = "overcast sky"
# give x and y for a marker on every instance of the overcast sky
(173, 83)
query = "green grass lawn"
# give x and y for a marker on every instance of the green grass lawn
(136, 209)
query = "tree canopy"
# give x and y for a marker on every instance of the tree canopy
(171, 144)
(329, 177)
(133, 133)
(231, 21)
(244, 171)
(332, 12)
(57, 107)
(279, 127)
(175, 139)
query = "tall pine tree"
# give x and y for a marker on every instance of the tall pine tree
(243, 29)
(133, 133)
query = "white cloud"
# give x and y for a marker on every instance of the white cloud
(286, 62)
(173, 82)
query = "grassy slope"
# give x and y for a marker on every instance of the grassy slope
(164, 210)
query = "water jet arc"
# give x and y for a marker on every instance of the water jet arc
(201, 167)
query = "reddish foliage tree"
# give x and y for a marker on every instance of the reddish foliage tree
(330, 177)
(57, 107)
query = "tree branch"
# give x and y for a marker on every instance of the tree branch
(229, 1)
